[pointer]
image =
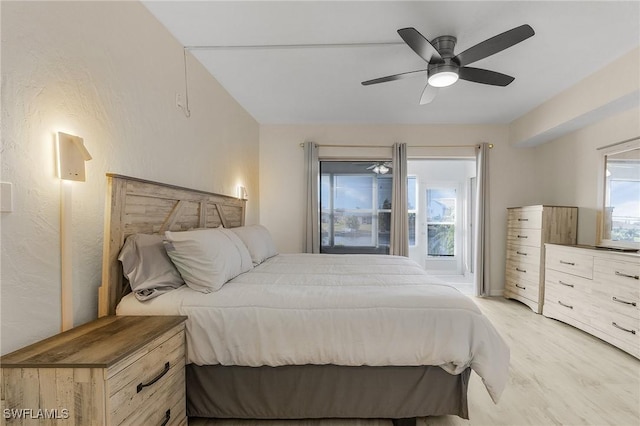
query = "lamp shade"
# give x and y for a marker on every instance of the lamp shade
(71, 155)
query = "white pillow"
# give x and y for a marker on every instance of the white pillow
(259, 242)
(207, 258)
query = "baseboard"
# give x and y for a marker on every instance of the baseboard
(496, 292)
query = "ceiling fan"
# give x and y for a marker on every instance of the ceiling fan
(380, 167)
(444, 69)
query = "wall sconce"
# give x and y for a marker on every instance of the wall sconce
(241, 192)
(71, 155)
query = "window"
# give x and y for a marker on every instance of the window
(441, 219)
(622, 198)
(355, 208)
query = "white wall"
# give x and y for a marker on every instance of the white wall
(108, 72)
(513, 178)
(571, 165)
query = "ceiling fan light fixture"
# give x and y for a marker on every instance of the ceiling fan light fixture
(382, 169)
(443, 76)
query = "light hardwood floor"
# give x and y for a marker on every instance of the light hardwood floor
(559, 376)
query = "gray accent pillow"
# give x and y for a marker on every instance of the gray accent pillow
(147, 266)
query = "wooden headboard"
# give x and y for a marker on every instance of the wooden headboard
(137, 206)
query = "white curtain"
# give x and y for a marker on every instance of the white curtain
(481, 240)
(312, 182)
(399, 238)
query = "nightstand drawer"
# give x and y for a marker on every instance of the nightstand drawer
(133, 387)
(166, 404)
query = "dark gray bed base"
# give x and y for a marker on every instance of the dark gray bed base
(324, 391)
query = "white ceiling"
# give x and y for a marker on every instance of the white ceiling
(322, 84)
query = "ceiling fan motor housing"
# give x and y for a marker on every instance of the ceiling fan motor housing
(444, 45)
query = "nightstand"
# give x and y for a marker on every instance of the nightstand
(112, 371)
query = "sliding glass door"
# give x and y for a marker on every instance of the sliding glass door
(355, 208)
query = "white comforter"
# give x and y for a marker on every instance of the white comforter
(336, 309)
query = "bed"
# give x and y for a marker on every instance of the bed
(306, 336)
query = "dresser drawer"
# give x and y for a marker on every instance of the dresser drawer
(621, 327)
(570, 262)
(525, 237)
(567, 300)
(572, 284)
(525, 218)
(519, 285)
(522, 270)
(620, 274)
(145, 380)
(523, 254)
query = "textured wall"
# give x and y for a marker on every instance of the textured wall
(108, 72)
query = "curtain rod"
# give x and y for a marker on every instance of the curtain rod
(618, 143)
(408, 146)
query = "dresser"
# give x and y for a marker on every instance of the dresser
(597, 291)
(127, 370)
(528, 229)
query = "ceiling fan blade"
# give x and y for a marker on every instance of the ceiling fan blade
(494, 45)
(420, 45)
(393, 77)
(371, 166)
(428, 94)
(478, 75)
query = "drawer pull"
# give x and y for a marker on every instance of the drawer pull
(520, 286)
(566, 306)
(615, 299)
(635, 277)
(155, 379)
(521, 253)
(622, 328)
(522, 236)
(523, 220)
(167, 417)
(568, 285)
(521, 270)
(567, 263)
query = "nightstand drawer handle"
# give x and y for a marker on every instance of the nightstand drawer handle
(521, 253)
(566, 306)
(635, 277)
(167, 366)
(521, 270)
(523, 220)
(522, 236)
(520, 286)
(563, 283)
(567, 263)
(167, 417)
(622, 328)
(615, 299)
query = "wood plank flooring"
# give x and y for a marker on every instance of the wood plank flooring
(559, 376)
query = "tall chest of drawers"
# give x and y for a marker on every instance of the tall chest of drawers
(596, 291)
(528, 229)
(127, 370)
